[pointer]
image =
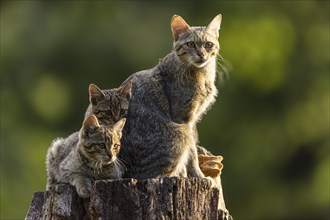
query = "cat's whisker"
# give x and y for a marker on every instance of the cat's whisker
(100, 167)
(223, 69)
(95, 166)
(116, 164)
(120, 162)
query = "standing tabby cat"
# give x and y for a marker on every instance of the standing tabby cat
(168, 100)
(93, 155)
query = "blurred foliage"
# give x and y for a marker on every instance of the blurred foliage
(271, 117)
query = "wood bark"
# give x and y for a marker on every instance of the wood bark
(163, 198)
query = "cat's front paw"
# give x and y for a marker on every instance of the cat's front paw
(84, 189)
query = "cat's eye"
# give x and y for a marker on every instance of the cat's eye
(208, 44)
(116, 146)
(123, 111)
(108, 112)
(191, 44)
(101, 146)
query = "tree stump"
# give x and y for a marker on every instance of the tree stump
(163, 198)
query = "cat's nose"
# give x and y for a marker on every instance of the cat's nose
(202, 58)
(109, 155)
(201, 55)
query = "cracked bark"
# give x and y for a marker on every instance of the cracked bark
(163, 198)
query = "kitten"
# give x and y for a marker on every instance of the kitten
(167, 101)
(85, 156)
(109, 106)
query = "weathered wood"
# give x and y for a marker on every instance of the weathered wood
(35, 210)
(166, 198)
(163, 198)
(63, 202)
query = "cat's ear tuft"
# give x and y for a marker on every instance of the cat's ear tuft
(214, 25)
(178, 25)
(125, 90)
(118, 127)
(95, 94)
(90, 123)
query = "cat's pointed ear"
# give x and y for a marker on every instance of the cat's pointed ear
(118, 127)
(178, 25)
(125, 90)
(214, 25)
(90, 123)
(95, 94)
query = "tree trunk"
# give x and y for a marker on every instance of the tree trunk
(163, 198)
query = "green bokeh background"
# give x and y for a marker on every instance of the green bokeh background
(270, 121)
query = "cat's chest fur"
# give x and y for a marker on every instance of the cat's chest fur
(190, 92)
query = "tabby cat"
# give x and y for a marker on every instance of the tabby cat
(109, 106)
(167, 102)
(85, 156)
